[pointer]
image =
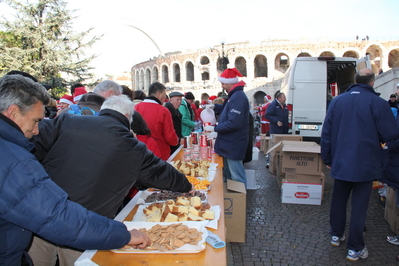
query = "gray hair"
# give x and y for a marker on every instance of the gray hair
(21, 91)
(121, 104)
(108, 85)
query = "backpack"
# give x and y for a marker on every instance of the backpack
(75, 109)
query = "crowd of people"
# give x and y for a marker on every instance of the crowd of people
(71, 166)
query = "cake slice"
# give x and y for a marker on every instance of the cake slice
(195, 202)
(208, 214)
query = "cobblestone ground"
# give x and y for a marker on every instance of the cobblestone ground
(292, 234)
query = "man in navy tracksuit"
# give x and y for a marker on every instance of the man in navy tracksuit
(357, 125)
(277, 114)
(233, 126)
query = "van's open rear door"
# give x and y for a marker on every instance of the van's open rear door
(363, 62)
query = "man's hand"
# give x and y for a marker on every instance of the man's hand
(279, 123)
(209, 128)
(139, 239)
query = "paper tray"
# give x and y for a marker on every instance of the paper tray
(184, 249)
(144, 194)
(140, 217)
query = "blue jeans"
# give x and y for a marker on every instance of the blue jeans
(234, 170)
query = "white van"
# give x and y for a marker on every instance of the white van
(310, 84)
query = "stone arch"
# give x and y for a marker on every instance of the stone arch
(303, 54)
(204, 60)
(393, 58)
(189, 71)
(205, 75)
(281, 62)
(147, 78)
(326, 53)
(241, 64)
(351, 53)
(155, 74)
(374, 51)
(176, 73)
(165, 74)
(137, 80)
(258, 97)
(141, 80)
(260, 66)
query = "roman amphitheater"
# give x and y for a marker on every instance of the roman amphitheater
(262, 64)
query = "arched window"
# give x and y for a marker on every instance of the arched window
(241, 65)
(176, 73)
(165, 74)
(189, 71)
(260, 66)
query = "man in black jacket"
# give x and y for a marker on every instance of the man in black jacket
(175, 99)
(96, 160)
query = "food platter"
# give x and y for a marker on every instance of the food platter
(141, 217)
(187, 248)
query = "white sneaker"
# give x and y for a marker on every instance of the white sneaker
(336, 241)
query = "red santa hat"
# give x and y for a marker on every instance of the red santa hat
(78, 93)
(213, 97)
(230, 76)
(67, 99)
(268, 97)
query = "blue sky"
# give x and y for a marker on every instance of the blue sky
(180, 25)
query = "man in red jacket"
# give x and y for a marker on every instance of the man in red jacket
(158, 119)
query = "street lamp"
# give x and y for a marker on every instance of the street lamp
(223, 59)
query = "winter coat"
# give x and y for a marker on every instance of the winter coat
(233, 126)
(356, 124)
(150, 143)
(160, 123)
(391, 172)
(98, 167)
(177, 124)
(177, 119)
(31, 202)
(275, 113)
(187, 118)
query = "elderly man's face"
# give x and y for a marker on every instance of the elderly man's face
(27, 121)
(176, 101)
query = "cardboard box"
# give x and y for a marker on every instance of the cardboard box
(391, 211)
(300, 157)
(251, 178)
(273, 162)
(301, 193)
(300, 178)
(264, 143)
(273, 152)
(235, 198)
(276, 138)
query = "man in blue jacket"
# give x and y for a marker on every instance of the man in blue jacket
(357, 125)
(29, 200)
(277, 114)
(233, 126)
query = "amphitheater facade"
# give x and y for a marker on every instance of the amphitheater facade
(262, 64)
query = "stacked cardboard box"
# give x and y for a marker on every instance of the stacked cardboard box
(392, 211)
(235, 208)
(274, 139)
(264, 143)
(299, 171)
